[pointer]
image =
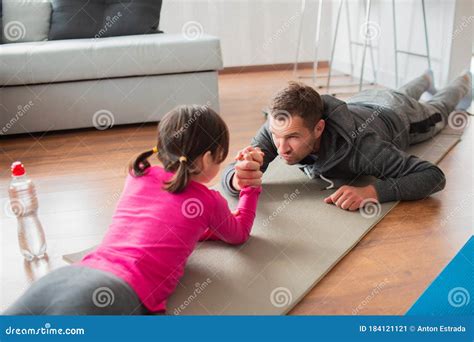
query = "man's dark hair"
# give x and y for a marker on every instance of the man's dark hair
(299, 99)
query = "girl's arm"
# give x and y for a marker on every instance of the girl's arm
(230, 228)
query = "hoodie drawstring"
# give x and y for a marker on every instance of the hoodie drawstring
(331, 183)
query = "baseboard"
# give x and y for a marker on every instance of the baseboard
(269, 67)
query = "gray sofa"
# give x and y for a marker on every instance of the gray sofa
(76, 83)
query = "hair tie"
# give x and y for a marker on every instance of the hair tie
(155, 149)
(183, 159)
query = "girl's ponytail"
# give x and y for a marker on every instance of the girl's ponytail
(181, 177)
(138, 167)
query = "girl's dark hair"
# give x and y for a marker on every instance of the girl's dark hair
(189, 132)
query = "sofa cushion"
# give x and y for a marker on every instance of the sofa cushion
(134, 17)
(76, 18)
(26, 20)
(72, 19)
(81, 59)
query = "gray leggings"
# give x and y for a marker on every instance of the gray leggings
(406, 103)
(78, 290)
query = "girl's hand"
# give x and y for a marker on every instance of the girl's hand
(247, 168)
(250, 153)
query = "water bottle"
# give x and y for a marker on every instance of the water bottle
(24, 205)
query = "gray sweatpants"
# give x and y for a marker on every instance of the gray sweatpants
(422, 119)
(78, 290)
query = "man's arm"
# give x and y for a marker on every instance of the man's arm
(227, 178)
(262, 140)
(400, 176)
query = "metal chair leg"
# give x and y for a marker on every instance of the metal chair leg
(426, 34)
(395, 45)
(350, 36)
(316, 41)
(367, 18)
(334, 44)
(300, 31)
(394, 20)
(351, 42)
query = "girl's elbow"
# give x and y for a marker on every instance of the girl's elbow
(240, 240)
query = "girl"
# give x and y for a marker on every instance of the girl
(162, 213)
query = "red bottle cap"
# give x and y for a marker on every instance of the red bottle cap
(18, 169)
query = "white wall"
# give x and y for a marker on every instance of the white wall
(410, 36)
(252, 32)
(462, 38)
(255, 32)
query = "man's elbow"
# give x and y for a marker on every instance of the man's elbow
(226, 181)
(439, 181)
(442, 180)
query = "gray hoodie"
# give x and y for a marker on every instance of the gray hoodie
(360, 140)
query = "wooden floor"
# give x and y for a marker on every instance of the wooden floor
(79, 176)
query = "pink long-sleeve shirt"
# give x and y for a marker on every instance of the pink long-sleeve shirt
(153, 232)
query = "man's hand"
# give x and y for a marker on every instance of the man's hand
(351, 197)
(247, 169)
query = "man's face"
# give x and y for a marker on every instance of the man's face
(293, 139)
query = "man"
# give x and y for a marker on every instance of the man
(328, 138)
